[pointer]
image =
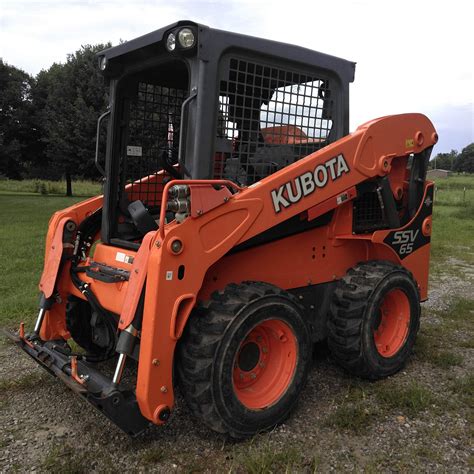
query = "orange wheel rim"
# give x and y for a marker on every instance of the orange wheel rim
(265, 364)
(392, 324)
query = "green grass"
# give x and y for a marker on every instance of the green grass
(36, 186)
(453, 222)
(408, 399)
(24, 382)
(153, 455)
(25, 219)
(64, 459)
(464, 388)
(260, 457)
(22, 233)
(447, 359)
(356, 417)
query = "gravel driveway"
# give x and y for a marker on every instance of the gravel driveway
(341, 424)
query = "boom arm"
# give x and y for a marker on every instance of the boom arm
(315, 184)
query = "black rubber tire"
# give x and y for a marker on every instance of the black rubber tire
(207, 349)
(353, 313)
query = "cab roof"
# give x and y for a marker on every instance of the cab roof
(212, 43)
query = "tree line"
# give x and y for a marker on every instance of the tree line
(454, 161)
(48, 122)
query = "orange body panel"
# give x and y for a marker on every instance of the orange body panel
(175, 281)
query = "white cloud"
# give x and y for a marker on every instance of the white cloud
(411, 55)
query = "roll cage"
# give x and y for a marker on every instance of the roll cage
(230, 107)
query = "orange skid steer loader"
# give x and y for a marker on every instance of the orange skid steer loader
(240, 223)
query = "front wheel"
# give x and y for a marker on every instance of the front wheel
(244, 359)
(374, 319)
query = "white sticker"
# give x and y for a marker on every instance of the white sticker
(169, 275)
(124, 258)
(342, 198)
(134, 150)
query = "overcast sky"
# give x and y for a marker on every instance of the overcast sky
(412, 56)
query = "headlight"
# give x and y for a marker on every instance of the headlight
(171, 42)
(186, 38)
(102, 63)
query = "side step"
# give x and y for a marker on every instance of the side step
(120, 406)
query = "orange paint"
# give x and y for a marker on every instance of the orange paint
(392, 330)
(206, 261)
(262, 378)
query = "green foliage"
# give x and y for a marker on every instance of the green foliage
(48, 123)
(73, 92)
(19, 138)
(453, 161)
(445, 161)
(465, 162)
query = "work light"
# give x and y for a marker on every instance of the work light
(102, 63)
(171, 42)
(186, 38)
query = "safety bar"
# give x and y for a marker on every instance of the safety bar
(184, 130)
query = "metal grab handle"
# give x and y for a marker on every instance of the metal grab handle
(184, 131)
(97, 164)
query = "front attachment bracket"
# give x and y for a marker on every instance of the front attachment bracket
(117, 404)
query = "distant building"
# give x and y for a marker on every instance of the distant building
(438, 174)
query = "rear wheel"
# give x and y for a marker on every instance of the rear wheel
(244, 358)
(374, 319)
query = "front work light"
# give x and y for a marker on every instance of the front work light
(171, 42)
(186, 38)
(102, 63)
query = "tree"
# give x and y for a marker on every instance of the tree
(465, 161)
(72, 96)
(445, 161)
(19, 136)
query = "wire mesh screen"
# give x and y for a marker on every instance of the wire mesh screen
(152, 139)
(268, 117)
(368, 213)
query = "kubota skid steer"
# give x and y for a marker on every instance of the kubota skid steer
(240, 223)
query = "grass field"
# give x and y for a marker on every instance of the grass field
(417, 421)
(43, 187)
(25, 215)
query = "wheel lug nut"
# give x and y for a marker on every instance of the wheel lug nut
(261, 364)
(265, 350)
(253, 376)
(259, 339)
